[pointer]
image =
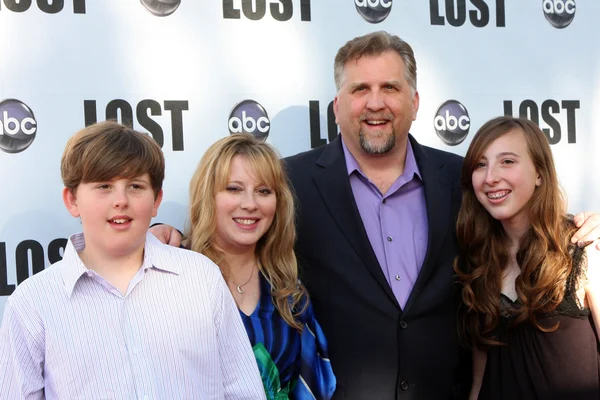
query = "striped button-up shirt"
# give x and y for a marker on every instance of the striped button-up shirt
(176, 333)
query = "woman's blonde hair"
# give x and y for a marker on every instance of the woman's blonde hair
(275, 249)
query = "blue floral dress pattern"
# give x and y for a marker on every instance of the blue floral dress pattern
(292, 366)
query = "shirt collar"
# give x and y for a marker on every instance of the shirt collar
(156, 256)
(410, 164)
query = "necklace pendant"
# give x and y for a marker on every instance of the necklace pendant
(240, 289)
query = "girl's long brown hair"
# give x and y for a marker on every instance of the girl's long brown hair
(275, 249)
(543, 254)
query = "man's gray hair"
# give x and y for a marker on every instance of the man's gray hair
(374, 44)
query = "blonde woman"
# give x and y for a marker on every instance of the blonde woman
(242, 217)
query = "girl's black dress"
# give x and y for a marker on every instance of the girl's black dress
(564, 364)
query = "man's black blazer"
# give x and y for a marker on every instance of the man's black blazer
(377, 349)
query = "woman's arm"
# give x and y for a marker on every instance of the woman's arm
(479, 362)
(166, 234)
(592, 287)
(317, 378)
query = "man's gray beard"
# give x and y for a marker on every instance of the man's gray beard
(383, 149)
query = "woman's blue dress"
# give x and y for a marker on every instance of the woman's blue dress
(292, 365)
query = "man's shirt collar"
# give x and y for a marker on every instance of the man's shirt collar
(410, 164)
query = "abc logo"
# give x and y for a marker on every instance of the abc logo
(559, 13)
(248, 116)
(17, 126)
(452, 122)
(373, 11)
(161, 8)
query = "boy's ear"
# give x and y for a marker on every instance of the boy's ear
(70, 202)
(157, 202)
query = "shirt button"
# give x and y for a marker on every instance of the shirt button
(403, 325)
(397, 277)
(383, 201)
(389, 238)
(404, 385)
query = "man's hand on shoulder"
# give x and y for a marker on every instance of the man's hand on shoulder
(166, 234)
(589, 229)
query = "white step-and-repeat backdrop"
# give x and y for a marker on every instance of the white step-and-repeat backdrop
(191, 71)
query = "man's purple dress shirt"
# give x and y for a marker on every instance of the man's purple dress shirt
(396, 222)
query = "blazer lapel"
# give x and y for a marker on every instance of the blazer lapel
(334, 187)
(438, 191)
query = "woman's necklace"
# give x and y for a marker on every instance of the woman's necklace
(240, 288)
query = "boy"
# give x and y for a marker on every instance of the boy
(123, 316)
